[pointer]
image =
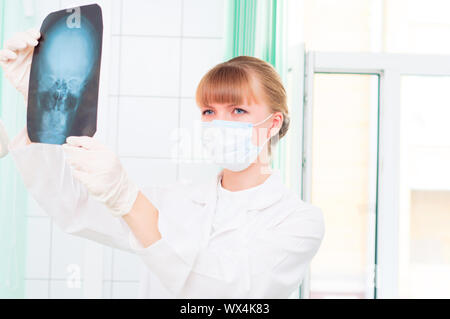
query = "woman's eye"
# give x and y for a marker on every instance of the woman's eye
(207, 112)
(240, 111)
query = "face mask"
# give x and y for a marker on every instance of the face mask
(229, 143)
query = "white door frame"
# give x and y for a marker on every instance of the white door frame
(294, 138)
(390, 68)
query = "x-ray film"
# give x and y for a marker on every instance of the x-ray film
(64, 79)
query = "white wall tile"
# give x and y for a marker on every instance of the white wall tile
(125, 290)
(116, 16)
(114, 66)
(189, 112)
(199, 56)
(155, 17)
(67, 255)
(45, 8)
(146, 126)
(150, 172)
(38, 247)
(204, 18)
(36, 289)
(60, 290)
(113, 123)
(127, 266)
(190, 118)
(150, 66)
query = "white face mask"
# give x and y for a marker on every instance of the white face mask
(229, 143)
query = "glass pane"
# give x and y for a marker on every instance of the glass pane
(343, 26)
(345, 117)
(400, 26)
(425, 188)
(415, 26)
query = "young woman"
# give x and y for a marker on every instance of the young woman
(241, 235)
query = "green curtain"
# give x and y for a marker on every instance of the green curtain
(255, 28)
(13, 196)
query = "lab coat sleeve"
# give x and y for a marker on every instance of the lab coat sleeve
(48, 178)
(271, 263)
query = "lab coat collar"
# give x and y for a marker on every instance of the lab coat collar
(271, 192)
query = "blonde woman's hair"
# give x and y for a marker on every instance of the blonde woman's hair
(233, 82)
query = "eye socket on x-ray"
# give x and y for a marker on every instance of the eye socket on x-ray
(64, 79)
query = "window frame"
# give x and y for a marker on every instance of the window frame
(389, 68)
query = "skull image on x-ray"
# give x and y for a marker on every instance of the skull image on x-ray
(64, 76)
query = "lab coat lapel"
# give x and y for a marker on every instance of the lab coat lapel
(272, 192)
(206, 195)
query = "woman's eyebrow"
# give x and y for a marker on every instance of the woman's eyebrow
(226, 105)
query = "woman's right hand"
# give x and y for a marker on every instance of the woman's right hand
(16, 57)
(100, 170)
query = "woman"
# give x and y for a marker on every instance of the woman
(241, 235)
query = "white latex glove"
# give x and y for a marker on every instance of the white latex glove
(99, 169)
(16, 58)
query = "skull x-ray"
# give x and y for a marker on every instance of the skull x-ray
(64, 79)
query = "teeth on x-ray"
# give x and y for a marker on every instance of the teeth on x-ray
(64, 76)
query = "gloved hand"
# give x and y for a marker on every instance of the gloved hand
(101, 172)
(16, 58)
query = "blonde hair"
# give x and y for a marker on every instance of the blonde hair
(232, 82)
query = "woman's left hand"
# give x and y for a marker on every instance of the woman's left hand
(100, 170)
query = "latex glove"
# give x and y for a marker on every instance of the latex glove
(16, 58)
(101, 172)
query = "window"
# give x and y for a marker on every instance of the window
(424, 237)
(376, 150)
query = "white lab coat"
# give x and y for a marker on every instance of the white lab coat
(263, 253)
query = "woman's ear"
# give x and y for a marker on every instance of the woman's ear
(277, 122)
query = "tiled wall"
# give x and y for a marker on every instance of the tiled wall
(157, 52)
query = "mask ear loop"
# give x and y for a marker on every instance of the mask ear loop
(254, 125)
